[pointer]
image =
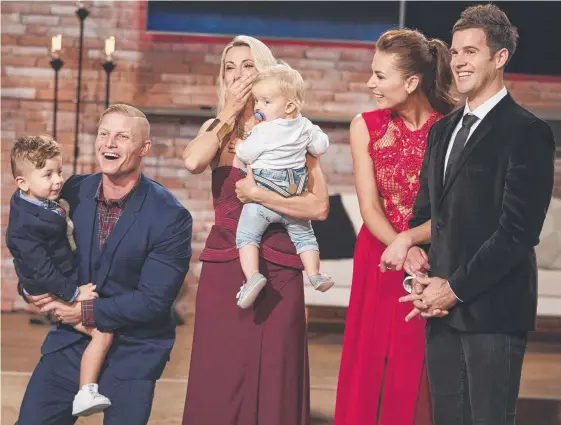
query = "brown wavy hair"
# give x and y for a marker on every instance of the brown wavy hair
(429, 59)
(35, 149)
(499, 32)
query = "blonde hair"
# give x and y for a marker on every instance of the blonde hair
(34, 149)
(289, 82)
(129, 111)
(262, 57)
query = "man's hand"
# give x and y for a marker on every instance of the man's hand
(66, 313)
(395, 254)
(87, 292)
(421, 313)
(417, 262)
(434, 301)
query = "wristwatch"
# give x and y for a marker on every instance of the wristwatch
(408, 284)
(223, 131)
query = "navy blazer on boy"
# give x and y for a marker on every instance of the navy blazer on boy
(36, 238)
(138, 272)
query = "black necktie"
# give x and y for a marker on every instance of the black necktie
(459, 142)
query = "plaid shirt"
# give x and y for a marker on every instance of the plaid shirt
(108, 213)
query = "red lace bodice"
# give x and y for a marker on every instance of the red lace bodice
(397, 153)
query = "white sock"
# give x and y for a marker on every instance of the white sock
(90, 388)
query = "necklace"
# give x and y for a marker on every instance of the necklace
(240, 133)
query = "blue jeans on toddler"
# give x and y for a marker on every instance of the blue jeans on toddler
(255, 218)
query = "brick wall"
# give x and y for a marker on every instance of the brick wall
(165, 78)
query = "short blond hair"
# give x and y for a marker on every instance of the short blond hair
(262, 57)
(289, 81)
(34, 149)
(128, 111)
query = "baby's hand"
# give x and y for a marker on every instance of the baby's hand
(87, 292)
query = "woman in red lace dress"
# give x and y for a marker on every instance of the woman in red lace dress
(382, 379)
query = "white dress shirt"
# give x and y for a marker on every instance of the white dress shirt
(480, 112)
(282, 144)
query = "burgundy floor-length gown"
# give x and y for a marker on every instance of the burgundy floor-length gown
(382, 379)
(248, 367)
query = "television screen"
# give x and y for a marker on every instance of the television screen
(347, 22)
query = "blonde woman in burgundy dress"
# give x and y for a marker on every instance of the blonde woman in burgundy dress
(248, 367)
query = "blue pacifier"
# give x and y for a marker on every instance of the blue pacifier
(259, 116)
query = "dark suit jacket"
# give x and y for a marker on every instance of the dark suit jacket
(36, 238)
(138, 273)
(487, 218)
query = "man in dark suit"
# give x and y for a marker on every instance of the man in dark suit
(134, 242)
(485, 187)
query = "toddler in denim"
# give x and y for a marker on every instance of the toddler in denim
(276, 150)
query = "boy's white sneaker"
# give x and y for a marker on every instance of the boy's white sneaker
(89, 401)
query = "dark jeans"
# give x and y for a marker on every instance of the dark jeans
(474, 377)
(54, 383)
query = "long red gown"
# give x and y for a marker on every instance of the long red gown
(382, 379)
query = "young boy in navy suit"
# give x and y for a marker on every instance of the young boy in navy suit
(39, 236)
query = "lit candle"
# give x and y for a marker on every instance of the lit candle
(56, 43)
(110, 46)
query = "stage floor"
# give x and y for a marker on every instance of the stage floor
(540, 392)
